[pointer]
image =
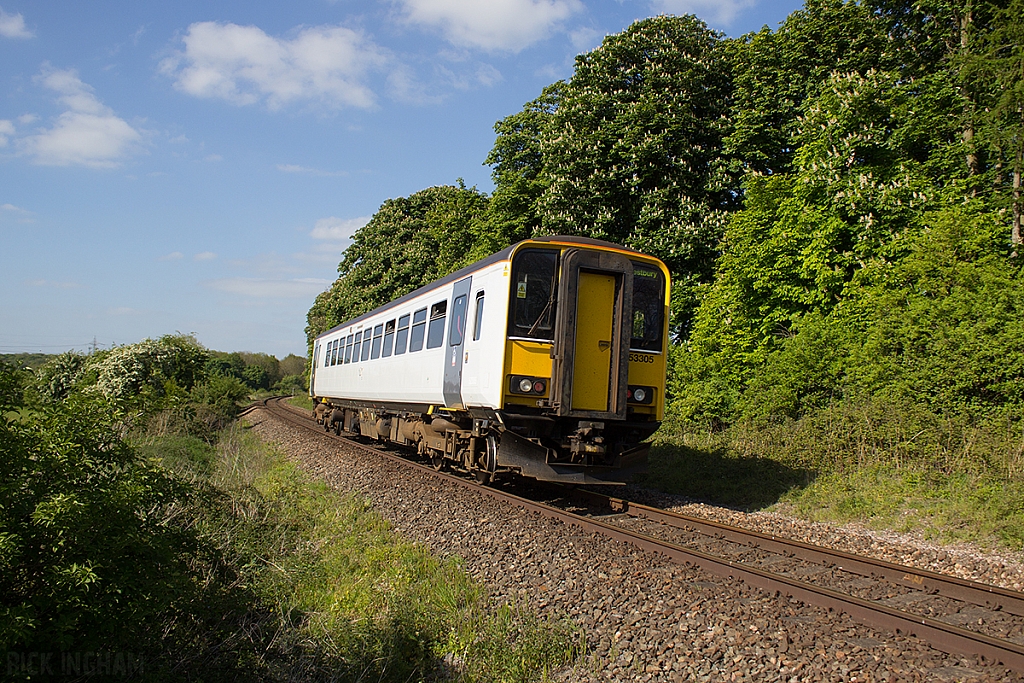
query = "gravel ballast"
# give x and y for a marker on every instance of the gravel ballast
(645, 618)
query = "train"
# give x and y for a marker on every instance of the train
(545, 360)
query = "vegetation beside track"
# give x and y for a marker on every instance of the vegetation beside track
(130, 527)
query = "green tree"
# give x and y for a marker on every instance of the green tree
(517, 161)
(995, 71)
(633, 150)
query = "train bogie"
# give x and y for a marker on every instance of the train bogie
(547, 359)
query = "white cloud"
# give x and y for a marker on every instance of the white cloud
(123, 310)
(263, 288)
(173, 256)
(294, 168)
(53, 284)
(13, 26)
(495, 25)
(244, 65)
(87, 134)
(6, 130)
(337, 229)
(20, 215)
(720, 13)
(204, 256)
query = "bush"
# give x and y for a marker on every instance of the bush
(90, 557)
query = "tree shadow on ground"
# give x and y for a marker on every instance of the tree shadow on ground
(719, 477)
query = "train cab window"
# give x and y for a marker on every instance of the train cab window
(457, 332)
(532, 309)
(419, 326)
(648, 307)
(357, 347)
(403, 334)
(348, 349)
(366, 345)
(435, 332)
(478, 316)
(389, 338)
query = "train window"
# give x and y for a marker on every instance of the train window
(478, 317)
(366, 345)
(378, 335)
(532, 310)
(403, 334)
(357, 347)
(348, 349)
(389, 338)
(435, 333)
(334, 353)
(458, 328)
(327, 354)
(648, 307)
(419, 325)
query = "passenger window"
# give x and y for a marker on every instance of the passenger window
(366, 344)
(334, 353)
(378, 335)
(389, 338)
(327, 354)
(348, 350)
(532, 308)
(435, 333)
(648, 307)
(458, 329)
(478, 316)
(419, 326)
(403, 334)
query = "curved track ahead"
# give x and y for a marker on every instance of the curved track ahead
(1004, 606)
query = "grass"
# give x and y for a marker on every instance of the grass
(898, 468)
(336, 593)
(303, 401)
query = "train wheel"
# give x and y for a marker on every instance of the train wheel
(437, 460)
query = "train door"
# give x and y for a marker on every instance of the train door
(592, 335)
(456, 343)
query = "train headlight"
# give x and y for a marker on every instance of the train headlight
(644, 395)
(535, 386)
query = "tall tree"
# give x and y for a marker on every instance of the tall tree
(995, 71)
(633, 151)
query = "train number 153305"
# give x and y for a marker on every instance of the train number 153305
(640, 358)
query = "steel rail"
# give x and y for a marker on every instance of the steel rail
(942, 636)
(994, 598)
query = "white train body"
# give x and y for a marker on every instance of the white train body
(546, 359)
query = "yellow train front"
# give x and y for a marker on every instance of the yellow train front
(546, 359)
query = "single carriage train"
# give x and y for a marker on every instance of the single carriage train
(546, 359)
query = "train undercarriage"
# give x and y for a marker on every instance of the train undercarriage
(494, 444)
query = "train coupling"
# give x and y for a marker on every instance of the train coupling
(588, 439)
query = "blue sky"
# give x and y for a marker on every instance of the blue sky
(199, 167)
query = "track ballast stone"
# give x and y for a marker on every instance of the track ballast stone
(645, 618)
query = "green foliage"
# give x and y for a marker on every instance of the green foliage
(88, 554)
(632, 151)
(59, 375)
(141, 371)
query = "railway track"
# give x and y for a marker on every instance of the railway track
(951, 614)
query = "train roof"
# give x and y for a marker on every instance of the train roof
(496, 257)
